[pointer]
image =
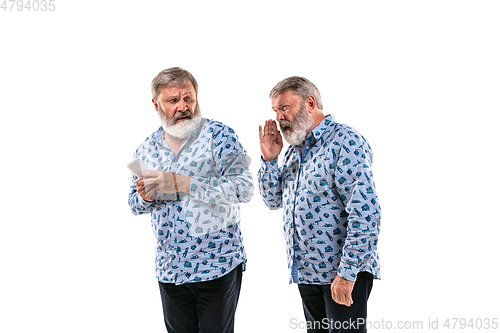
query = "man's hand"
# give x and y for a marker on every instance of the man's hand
(271, 142)
(147, 195)
(165, 182)
(342, 290)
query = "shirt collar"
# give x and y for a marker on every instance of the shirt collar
(158, 135)
(319, 131)
(159, 138)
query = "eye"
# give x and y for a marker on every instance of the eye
(282, 109)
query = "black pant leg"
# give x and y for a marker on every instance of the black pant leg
(324, 315)
(179, 308)
(217, 302)
(313, 303)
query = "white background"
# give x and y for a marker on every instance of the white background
(419, 79)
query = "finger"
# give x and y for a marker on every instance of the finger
(279, 139)
(147, 196)
(150, 194)
(142, 193)
(149, 174)
(150, 180)
(342, 299)
(273, 126)
(149, 187)
(260, 132)
(334, 297)
(337, 295)
(349, 300)
(269, 127)
(148, 191)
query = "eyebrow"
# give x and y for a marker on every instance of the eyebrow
(282, 105)
(183, 95)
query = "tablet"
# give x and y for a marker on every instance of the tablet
(137, 167)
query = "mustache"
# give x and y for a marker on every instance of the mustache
(285, 124)
(182, 114)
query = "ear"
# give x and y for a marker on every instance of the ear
(155, 104)
(310, 103)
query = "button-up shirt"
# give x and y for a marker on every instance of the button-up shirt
(198, 234)
(330, 207)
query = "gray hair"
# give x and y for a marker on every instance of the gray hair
(299, 86)
(174, 76)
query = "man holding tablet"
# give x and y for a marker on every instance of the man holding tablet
(198, 175)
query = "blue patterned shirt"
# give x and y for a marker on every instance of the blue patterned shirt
(198, 234)
(330, 207)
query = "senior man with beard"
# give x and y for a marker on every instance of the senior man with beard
(330, 207)
(198, 177)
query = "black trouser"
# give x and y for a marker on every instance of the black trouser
(202, 307)
(325, 315)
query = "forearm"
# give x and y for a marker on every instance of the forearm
(182, 184)
(226, 189)
(354, 182)
(269, 179)
(230, 180)
(360, 247)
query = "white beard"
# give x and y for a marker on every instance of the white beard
(299, 128)
(182, 129)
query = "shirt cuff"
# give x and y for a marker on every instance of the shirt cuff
(144, 203)
(350, 274)
(268, 164)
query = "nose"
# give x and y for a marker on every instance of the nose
(279, 116)
(181, 106)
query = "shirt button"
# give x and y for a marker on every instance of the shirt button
(307, 147)
(171, 230)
